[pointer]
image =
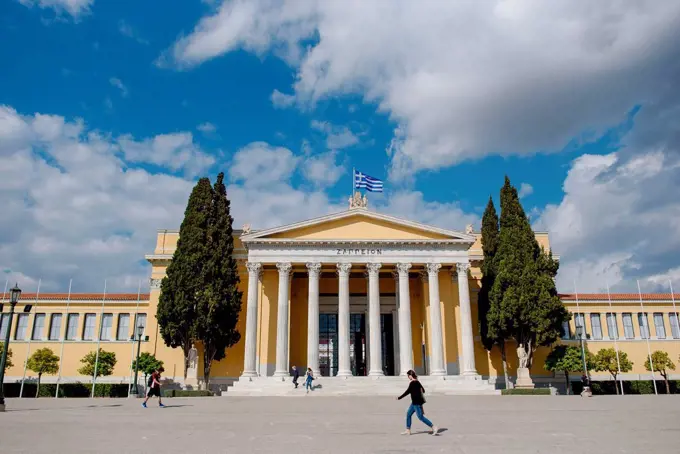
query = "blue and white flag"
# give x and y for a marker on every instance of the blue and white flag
(363, 181)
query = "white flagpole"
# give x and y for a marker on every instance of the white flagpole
(677, 319)
(616, 343)
(354, 176)
(30, 329)
(63, 338)
(649, 333)
(132, 340)
(99, 339)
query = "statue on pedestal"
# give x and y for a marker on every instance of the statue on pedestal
(357, 201)
(192, 369)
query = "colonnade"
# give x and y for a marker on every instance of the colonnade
(437, 360)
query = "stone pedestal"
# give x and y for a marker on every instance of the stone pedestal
(524, 379)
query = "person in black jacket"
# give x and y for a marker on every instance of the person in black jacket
(416, 390)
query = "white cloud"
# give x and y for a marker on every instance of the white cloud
(126, 29)
(74, 7)
(322, 169)
(116, 82)
(461, 79)
(260, 164)
(337, 137)
(525, 189)
(207, 127)
(412, 205)
(282, 100)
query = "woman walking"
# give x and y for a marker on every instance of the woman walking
(308, 379)
(416, 390)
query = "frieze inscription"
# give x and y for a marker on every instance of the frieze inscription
(343, 251)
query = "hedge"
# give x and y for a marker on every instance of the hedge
(186, 393)
(629, 387)
(68, 390)
(526, 392)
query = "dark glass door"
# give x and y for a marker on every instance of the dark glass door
(387, 339)
(357, 343)
(328, 344)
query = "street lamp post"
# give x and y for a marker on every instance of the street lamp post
(140, 331)
(15, 293)
(580, 334)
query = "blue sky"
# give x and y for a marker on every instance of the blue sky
(307, 90)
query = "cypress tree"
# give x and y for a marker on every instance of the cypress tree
(490, 237)
(182, 285)
(523, 296)
(220, 302)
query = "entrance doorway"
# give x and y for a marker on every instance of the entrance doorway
(358, 344)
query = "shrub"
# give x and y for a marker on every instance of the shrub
(526, 392)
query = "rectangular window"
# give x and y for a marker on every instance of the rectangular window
(4, 326)
(140, 319)
(596, 326)
(566, 330)
(643, 323)
(580, 322)
(55, 327)
(659, 327)
(38, 327)
(612, 327)
(22, 326)
(628, 330)
(123, 332)
(675, 326)
(72, 327)
(107, 326)
(89, 329)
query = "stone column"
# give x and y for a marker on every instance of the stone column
(437, 367)
(466, 320)
(313, 270)
(375, 344)
(395, 326)
(405, 336)
(282, 322)
(344, 363)
(249, 366)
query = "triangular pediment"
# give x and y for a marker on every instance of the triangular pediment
(357, 224)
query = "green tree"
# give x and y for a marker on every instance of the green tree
(8, 362)
(606, 361)
(147, 364)
(662, 364)
(182, 286)
(567, 359)
(220, 302)
(524, 290)
(492, 324)
(107, 361)
(43, 361)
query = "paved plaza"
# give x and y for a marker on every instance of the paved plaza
(316, 424)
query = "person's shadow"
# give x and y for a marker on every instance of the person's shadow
(427, 432)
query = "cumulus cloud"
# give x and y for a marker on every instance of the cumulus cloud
(461, 79)
(127, 30)
(337, 137)
(322, 169)
(116, 82)
(282, 100)
(207, 127)
(73, 7)
(525, 189)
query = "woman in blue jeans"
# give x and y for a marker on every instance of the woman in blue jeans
(416, 390)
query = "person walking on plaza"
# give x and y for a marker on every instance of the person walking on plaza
(308, 379)
(416, 390)
(296, 375)
(154, 387)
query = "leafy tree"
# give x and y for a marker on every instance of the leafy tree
(568, 359)
(220, 302)
(107, 361)
(492, 324)
(147, 364)
(182, 286)
(8, 362)
(524, 290)
(605, 361)
(43, 361)
(662, 363)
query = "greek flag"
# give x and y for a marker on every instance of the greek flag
(363, 181)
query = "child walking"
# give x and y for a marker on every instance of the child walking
(308, 379)
(154, 387)
(416, 390)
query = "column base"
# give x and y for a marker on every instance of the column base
(471, 375)
(438, 373)
(249, 374)
(344, 373)
(280, 375)
(376, 373)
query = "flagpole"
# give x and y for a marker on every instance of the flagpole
(616, 344)
(63, 338)
(132, 339)
(649, 333)
(99, 339)
(354, 176)
(30, 329)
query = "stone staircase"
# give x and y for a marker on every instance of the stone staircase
(360, 386)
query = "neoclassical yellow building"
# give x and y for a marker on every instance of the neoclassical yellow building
(357, 296)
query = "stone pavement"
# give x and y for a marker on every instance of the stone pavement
(470, 424)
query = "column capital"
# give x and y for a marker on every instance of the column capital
(433, 268)
(313, 268)
(284, 268)
(343, 269)
(373, 268)
(253, 267)
(402, 268)
(463, 267)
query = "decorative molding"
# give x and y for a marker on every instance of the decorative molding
(402, 268)
(284, 268)
(463, 266)
(343, 268)
(433, 268)
(254, 267)
(154, 283)
(373, 268)
(357, 201)
(313, 268)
